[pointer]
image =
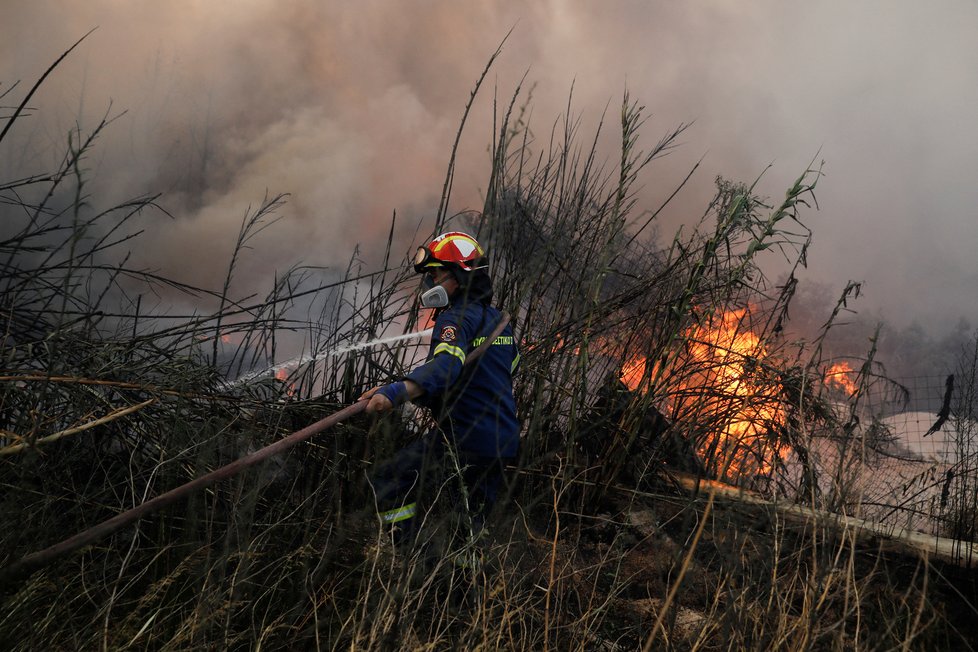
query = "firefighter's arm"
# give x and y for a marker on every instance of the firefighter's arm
(449, 343)
(385, 397)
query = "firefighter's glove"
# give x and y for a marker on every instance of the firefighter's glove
(396, 393)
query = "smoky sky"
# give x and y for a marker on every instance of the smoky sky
(352, 109)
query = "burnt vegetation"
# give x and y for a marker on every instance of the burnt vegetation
(648, 363)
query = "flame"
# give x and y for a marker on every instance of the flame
(282, 375)
(632, 373)
(558, 343)
(634, 376)
(561, 345)
(727, 379)
(719, 378)
(840, 374)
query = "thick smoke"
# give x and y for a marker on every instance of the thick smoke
(352, 108)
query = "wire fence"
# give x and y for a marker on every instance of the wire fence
(907, 459)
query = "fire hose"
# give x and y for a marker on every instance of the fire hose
(33, 561)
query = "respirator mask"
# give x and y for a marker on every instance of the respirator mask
(434, 296)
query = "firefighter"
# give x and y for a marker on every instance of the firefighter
(477, 429)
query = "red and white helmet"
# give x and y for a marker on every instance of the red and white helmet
(452, 249)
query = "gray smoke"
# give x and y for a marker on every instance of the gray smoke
(352, 108)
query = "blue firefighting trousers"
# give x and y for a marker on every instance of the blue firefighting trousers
(428, 473)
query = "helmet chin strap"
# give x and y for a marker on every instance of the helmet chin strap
(436, 297)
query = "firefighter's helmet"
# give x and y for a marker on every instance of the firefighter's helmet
(452, 249)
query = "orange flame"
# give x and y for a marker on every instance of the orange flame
(561, 345)
(727, 379)
(719, 379)
(634, 376)
(283, 376)
(840, 374)
(632, 373)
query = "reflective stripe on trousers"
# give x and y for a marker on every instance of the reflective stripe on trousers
(399, 514)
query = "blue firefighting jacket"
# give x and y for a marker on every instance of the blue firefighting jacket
(473, 405)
